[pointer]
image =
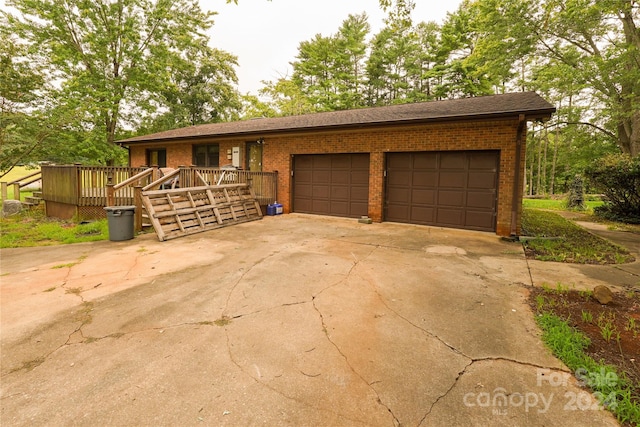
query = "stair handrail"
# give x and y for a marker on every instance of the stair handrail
(157, 183)
(137, 191)
(18, 184)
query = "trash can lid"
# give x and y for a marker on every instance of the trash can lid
(119, 208)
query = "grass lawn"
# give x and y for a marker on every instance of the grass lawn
(32, 228)
(17, 173)
(554, 204)
(557, 239)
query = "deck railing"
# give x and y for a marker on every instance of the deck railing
(18, 184)
(87, 185)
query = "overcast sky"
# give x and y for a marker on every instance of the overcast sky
(265, 35)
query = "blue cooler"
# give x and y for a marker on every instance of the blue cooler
(274, 209)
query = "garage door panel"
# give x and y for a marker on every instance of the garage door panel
(481, 180)
(451, 217)
(339, 184)
(341, 162)
(425, 161)
(451, 189)
(360, 178)
(340, 193)
(304, 163)
(340, 177)
(397, 212)
(321, 192)
(360, 194)
(399, 195)
(450, 198)
(339, 208)
(453, 160)
(304, 176)
(319, 205)
(480, 200)
(425, 179)
(321, 162)
(453, 179)
(478, 220)
(422, 214)
(321, 176)
(398, 161)
(479, 160)
(400, 178)
(303, 190)
(423, 197)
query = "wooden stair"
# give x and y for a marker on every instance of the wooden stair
(33, 200)
(180, 212)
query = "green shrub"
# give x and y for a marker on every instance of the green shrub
(618, 178)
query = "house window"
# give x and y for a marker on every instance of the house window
(206, 156)
(254, 157)
(157, 157)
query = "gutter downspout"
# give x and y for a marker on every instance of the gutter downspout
(516, 184)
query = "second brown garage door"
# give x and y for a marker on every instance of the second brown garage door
(331, 184)
(450, 189)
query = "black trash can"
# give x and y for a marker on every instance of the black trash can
(120, 220)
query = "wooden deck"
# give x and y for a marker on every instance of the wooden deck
(81, 191)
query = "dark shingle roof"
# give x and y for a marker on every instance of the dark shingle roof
(512, 104)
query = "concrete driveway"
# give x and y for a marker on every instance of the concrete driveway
(292, 320)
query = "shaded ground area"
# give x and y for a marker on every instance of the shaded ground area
(292, 320)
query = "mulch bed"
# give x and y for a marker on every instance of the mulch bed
(623, 315)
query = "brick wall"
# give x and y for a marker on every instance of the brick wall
(279, 149)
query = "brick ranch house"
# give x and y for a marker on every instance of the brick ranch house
(453, 163)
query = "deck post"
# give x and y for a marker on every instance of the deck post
(16, 191)
(111, 201)
(4, 190)
(137, 201)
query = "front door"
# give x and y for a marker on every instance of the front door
(254, 157)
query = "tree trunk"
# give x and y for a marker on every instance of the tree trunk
(539, 177)
(556, 143)
(544, 164)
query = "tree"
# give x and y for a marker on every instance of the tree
(201, 90)
(286, 98)
(329, 70)
(598, 40)
(110, 58)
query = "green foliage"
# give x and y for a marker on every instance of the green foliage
(118, 61)
(566, 343)
(582, 52)
(329, 71)
(618, 177)
(560, 240)
(286, 99)
(569, 346)
(201, 90)
(33, 229)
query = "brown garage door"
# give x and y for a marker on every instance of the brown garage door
(450, 189)
(331, 184)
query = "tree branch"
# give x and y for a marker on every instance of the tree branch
(601, 129)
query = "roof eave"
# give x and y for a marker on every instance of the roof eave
(542, 114)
